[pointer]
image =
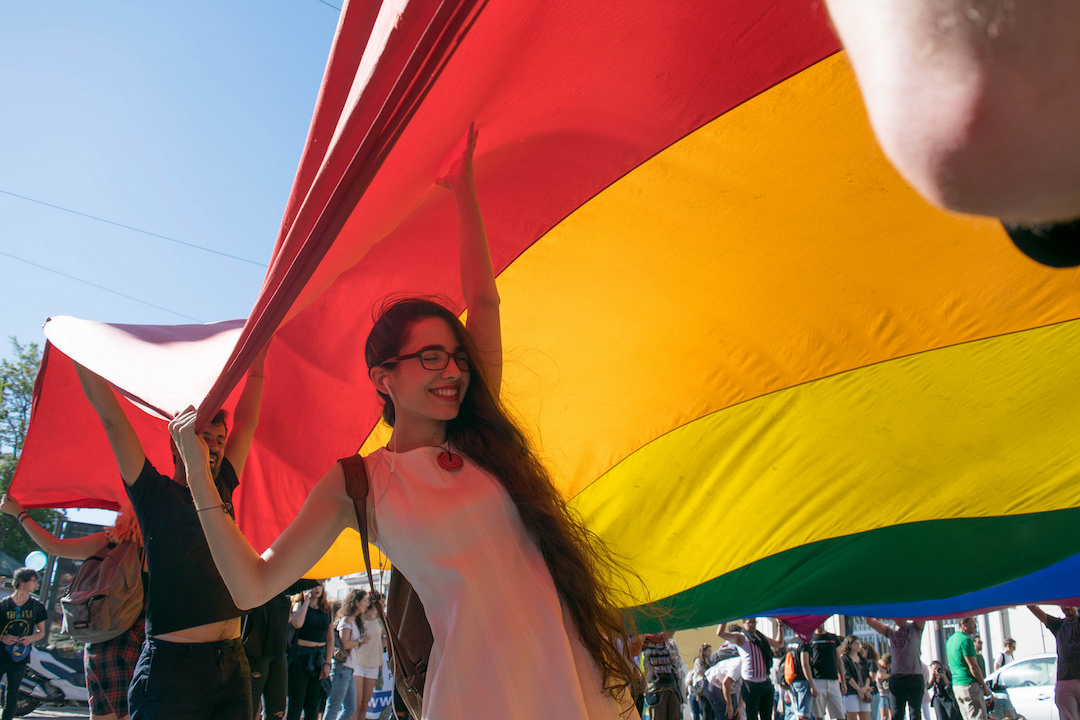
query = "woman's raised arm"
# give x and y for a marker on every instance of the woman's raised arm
(477, 272)
(252, 580)
(73, 548)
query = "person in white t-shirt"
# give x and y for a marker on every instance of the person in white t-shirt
(341, 704)
(1005, 656)
(369, 654)
(724, 688)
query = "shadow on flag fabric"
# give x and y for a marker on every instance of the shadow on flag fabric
(761, 368)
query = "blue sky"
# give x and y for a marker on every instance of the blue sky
(182, 119)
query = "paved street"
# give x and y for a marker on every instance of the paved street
(71, 711)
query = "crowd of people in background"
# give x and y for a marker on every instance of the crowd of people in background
(328, 657)
(287, 679)
(754, 677)
(969, 143)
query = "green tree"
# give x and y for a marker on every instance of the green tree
(16, 398)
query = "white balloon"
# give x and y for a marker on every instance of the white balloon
(36, 560)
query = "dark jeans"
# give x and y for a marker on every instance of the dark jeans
(715, 697)
(700, 709)
(907, 691)
(758, 697)
(191, 681)
(305, 689)
(269, 677)
(14, 672)
(946, 708)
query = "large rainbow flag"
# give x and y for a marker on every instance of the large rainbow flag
(764, 370)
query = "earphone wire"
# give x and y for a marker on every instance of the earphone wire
(389, 479)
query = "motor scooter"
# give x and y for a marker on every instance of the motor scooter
(50, 679)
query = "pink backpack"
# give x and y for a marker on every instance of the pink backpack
(106, 596)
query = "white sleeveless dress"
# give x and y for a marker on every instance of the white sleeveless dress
(504, 647)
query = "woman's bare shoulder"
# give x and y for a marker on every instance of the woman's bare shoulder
(331, 493)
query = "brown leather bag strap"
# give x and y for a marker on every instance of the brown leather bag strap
(356, 483)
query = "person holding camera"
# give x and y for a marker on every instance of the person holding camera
(942, 699)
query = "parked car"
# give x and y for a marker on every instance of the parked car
(1030, 683)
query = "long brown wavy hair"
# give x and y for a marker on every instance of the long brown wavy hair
(845, 645)
(350, 607)
(704, 654)
(482, 431)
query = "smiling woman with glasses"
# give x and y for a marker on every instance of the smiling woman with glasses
(433, 358)
(524, 626)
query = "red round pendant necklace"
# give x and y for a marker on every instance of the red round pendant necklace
(450, 461)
